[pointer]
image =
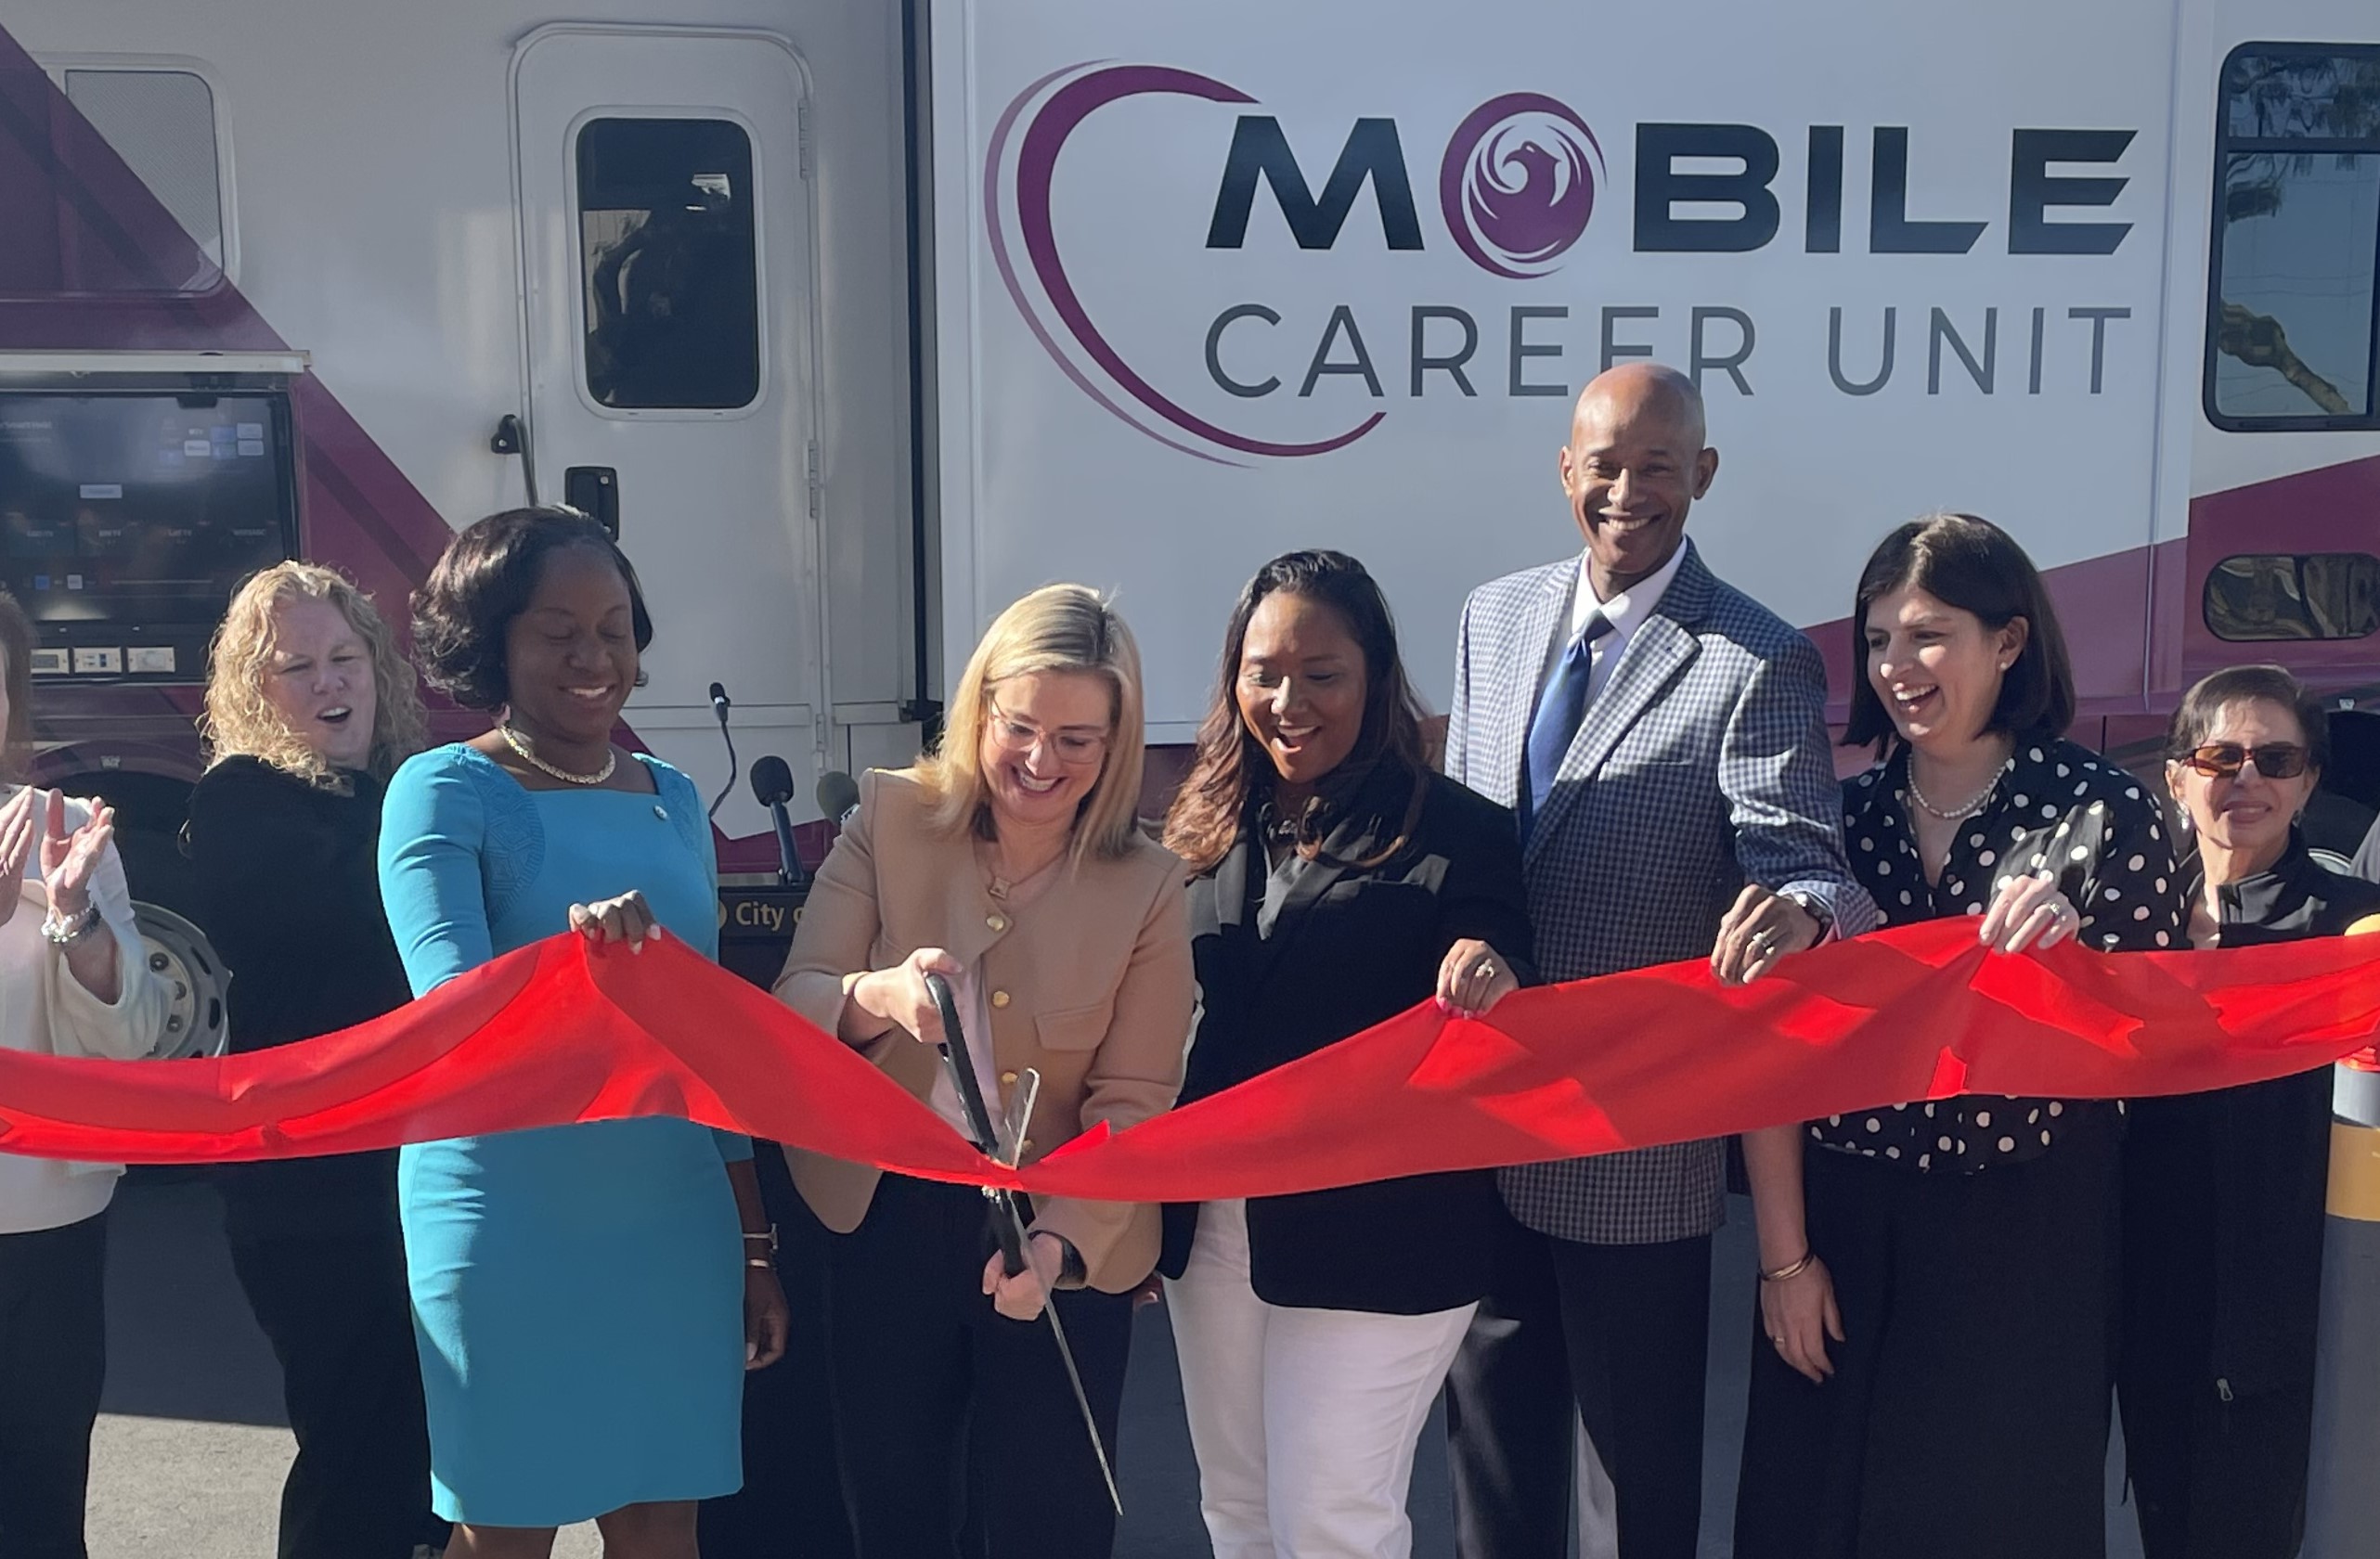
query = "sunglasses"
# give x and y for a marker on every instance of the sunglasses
(2223, 760)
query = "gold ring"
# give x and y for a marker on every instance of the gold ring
(1487, 967)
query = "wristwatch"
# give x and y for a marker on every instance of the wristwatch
(66, 933)
(1814, 908)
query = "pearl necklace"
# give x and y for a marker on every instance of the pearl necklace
(1966, 811)
(527, 754)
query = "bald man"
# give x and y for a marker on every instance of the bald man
(1662, 738)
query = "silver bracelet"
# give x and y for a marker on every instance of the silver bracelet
(65, 934)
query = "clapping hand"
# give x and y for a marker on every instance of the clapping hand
(16, 844)
(68, 860)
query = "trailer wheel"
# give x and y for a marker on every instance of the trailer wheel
(181, 960)
(177, 951)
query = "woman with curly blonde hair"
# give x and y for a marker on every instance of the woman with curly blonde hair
(310, 706)
(248, 714)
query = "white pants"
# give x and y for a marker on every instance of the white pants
(1303, 1420)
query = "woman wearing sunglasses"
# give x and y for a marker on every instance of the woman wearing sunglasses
(1009, 862)
(2223, 1191)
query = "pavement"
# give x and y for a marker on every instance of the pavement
(191, 1444)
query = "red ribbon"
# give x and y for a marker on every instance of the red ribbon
(564, 1031)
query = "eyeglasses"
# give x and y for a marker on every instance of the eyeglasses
(1076, 748)
(2223, 760)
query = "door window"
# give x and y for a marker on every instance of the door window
(668, 256)
(2297, 242)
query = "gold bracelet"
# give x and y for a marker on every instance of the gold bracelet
(760, 1263)
(1792, 1270)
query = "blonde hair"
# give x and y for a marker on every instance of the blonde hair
(1056, 628)
(240, 721)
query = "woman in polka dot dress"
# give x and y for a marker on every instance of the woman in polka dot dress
(1932, 1373)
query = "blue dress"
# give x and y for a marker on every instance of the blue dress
(578, 1290)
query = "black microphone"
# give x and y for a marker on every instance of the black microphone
(772, 786)
(718, 707)
(838, 796)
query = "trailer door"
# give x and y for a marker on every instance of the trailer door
(667, 295)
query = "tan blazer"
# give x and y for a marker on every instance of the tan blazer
(1089, 985)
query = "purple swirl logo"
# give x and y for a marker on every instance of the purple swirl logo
(1517, 183)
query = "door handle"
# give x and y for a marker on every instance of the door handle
(594, 491)
(511, 437)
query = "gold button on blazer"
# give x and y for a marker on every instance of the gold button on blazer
(1096, 972)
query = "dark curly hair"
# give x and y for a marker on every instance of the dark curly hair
(483, 581)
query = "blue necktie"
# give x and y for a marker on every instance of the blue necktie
(1560, 710)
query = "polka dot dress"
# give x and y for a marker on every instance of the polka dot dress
(2059, 808)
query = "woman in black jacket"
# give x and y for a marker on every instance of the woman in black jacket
(2223, 1191)
(1339, 881)
(310, 706)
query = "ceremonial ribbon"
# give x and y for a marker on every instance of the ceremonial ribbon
(567, 1031)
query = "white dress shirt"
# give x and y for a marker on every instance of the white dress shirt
(44, 1009)
(1625, 612)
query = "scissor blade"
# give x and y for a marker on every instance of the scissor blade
(1019, 1117)
(1073, 1374)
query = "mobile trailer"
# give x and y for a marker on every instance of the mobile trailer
(857, 319)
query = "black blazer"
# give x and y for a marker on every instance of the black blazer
(1349, 947)
(2240, 1174)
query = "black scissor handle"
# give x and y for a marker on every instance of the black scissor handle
(961, 1063)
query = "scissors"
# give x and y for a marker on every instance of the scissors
(1004, 1144)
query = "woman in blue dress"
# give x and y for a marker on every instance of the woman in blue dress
(586, 1299)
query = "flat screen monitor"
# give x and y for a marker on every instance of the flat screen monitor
(132, 516)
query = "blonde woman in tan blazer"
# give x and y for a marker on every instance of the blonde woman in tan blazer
(1010, 862)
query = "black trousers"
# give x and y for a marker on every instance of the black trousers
(1967, 1417)
(955, 1427)
(791, 1505)
(335, 1309)
(1617, 1335)
(2217, 1473)
(2213, 1479)
(53, 1363)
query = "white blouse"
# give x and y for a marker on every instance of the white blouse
(44, 1009)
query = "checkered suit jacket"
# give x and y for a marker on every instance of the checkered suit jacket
(1701, 765)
